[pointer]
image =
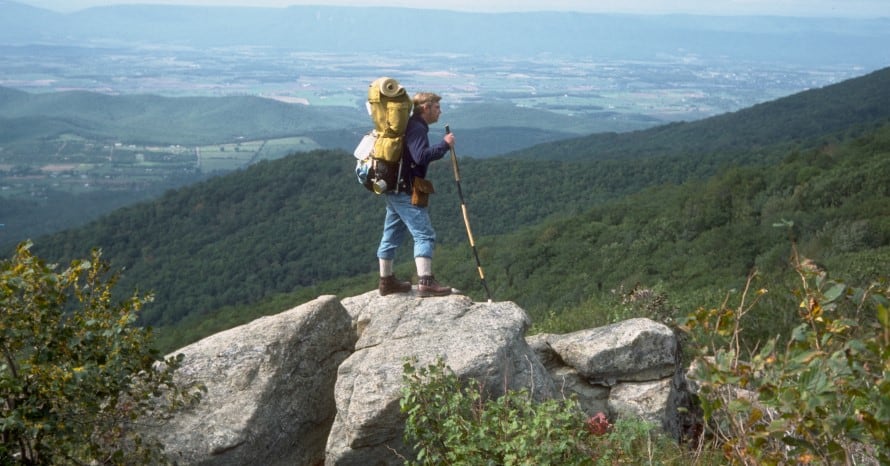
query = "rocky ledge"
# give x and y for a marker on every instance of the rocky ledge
(320, 383)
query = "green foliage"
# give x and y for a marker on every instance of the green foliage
(822, 399)
(615, 306)
(76, 373)
(691, 241)
(450, 422)
(56, 210)
(634, 441)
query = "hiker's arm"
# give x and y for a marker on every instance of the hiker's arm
(420, 149)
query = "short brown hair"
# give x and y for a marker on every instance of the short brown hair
(423, 98)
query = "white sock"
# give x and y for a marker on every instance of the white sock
(385, 267)
(424, 266)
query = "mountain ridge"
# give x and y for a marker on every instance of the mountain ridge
(174, 120)
(150, 118)
(319, 29)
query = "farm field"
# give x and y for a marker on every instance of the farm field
(75, 165)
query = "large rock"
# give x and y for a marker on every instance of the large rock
(592, 398)
(476, 340)
(627, 370)
(321, 383)
(647, 401)
(634, 350)
(270, 389)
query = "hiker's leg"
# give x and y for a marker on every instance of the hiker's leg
(394, 230)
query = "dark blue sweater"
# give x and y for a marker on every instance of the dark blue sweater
(418, 153)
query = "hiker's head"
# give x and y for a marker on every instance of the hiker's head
(426, 104)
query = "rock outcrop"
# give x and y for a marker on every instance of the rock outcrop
(624, 369)
(484, 342)
(320, 384)
(270, 389)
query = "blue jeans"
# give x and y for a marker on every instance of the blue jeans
(401, 218)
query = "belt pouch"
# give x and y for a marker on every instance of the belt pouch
(420, 192)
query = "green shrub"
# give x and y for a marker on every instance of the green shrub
(76, 372)
(449, 422)
(823, 398)
(634, 441)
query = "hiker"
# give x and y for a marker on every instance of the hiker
(407, 208)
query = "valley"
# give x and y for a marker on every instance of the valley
(593, 95)
(666, 88)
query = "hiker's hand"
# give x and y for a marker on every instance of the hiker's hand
(449, 138)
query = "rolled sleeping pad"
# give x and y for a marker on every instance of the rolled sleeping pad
(389, 87)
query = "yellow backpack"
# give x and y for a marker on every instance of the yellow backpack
(390, 108)
(380, 152)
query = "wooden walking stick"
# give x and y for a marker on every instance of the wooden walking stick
(463, 209)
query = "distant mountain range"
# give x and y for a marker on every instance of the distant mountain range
(391, 31)
(151, 119)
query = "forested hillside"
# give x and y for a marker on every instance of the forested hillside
(705, 236)
(554, 236)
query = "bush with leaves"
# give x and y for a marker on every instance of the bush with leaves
(449, 422)
(822, 399)
(452, 423)
(76, 373)
(635, 441)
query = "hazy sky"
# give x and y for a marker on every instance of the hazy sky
(843, 8)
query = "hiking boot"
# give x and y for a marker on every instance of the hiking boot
(428, 286)
(391, 284)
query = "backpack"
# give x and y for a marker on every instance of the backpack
(379, 153)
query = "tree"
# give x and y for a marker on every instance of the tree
(76, 374)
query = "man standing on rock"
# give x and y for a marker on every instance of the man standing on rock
(407, 208)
